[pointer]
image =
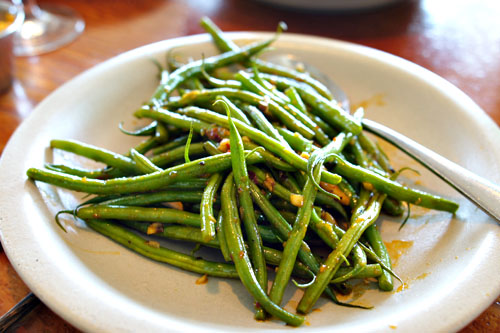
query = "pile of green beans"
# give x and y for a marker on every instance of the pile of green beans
(259, 163)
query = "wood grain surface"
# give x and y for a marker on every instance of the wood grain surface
(457, 39)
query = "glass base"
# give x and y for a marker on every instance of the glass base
(47, 28)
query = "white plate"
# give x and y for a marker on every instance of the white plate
(451, 269)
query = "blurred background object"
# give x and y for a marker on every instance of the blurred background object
(46, 28)
(11, 19)
(330, 5)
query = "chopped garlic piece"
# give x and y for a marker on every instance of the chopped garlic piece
(154, 228)
(297, 200)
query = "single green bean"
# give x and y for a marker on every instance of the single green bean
(135, 213)
(97, 154)
(143, 183)
(105, 173)
(144, 199)
(143, 163)
(392, 188)
(147, 130)
(207, 215)
(172, 118)
(295, 238)
(162, 254)
(242, 183)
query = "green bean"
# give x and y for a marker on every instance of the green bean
(221, 237)
(295, 99)
(220, 40)
(143, 163)
(160, 137)
(218, 83)
(239, 254)
(280, 225)
(273, 256)
(393, 207)
(172, 118)
(144, 183)
(105, 173)
(135, 213)
(207, 216)
(295, 239)
(97, 154)
(373, 235)
(162, 254)
(392, 188)
(242, 183)
(200, 97)
(260, 138)
(147, 130)
(144, 199)
(211, 149)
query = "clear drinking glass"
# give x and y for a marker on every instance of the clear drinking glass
(46, 27)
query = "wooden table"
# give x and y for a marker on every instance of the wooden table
(457, 39)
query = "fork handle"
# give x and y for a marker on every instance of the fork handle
(18, 312)
(480, 191)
